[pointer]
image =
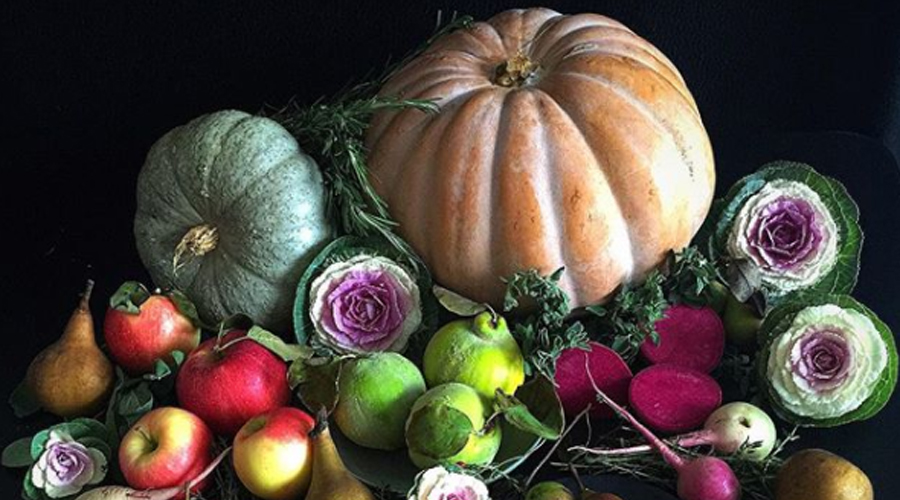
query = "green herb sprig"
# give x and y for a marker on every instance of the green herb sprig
(690, 278)
(333, 131)
(543, 335)
(630, 316)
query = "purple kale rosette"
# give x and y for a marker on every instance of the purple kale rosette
(65, 466)
(365, 304)
(788, 233)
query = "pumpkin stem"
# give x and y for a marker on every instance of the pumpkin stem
(517, 71)
(197, 242)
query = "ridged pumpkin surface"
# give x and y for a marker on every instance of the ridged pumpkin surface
(561, 141)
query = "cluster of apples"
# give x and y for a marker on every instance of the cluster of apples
(227, 387)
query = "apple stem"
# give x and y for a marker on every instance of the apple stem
(495, 318)
(146, 436)
(221, 347)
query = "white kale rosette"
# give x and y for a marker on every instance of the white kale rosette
(827, 361)
(440, 484)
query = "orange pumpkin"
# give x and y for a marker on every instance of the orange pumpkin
(561, 141)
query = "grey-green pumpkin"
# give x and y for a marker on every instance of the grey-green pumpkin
(231, 211)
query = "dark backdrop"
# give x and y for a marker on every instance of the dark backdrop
(85, 88)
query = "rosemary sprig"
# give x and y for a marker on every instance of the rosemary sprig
(543, 335)
(333, 132)
(756, 477)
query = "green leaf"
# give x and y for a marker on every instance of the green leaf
(185, 307)
(112, 408)
(29, 490)
(543, 334)
(456, 303)
(597, 310)
(129, 297)
(75, 429)
(18, 453)
(631, 316)
(535, 408)
(161, 370)
(237, 321)
(135, 402)
(178, 357)
(316, 382)
(98, 444)
(272, 342)
(842, 277)
(780, 319)
(691, 278)
(23, 403)
(86, 427)
(439, 441)
(38, 442)
(744, 279)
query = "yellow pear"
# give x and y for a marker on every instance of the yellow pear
(819, 474)
(330, 478)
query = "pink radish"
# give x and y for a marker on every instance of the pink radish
(688, 336)
(126, 493)
(726, 430)
(607, 368)
(671, 398)
(701, 478)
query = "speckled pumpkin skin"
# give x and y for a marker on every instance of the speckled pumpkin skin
(600, 163)
(245, 176)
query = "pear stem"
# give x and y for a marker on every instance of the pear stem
(84, 304)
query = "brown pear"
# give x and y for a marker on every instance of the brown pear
(330, 478)
(819, 474)
(72, 377)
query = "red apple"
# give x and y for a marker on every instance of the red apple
(140, 328)
(273, 454)
(228, 382)
(166, 447)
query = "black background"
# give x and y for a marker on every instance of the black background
(85, 89)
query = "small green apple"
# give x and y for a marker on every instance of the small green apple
(549, 490)
(447, 427)
(741, 323)
(376, 394)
